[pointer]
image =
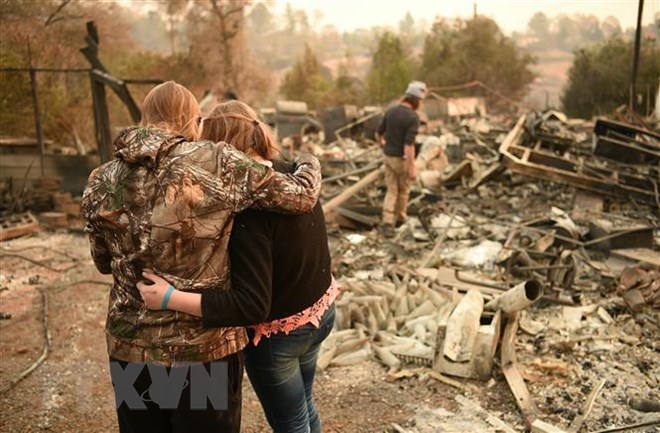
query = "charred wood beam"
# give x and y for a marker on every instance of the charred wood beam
(101, 120)
(603, 126)
(626, 152)
(142, 81)
(120, 88)
(352, 190)
(512, 374)
(544, 165)
(100, 77)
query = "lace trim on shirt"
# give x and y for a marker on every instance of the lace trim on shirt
(311, 315)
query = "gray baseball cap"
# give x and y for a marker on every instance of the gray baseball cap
(416, 89)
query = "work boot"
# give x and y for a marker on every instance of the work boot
(388, 230)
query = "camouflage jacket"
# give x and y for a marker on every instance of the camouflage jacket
(168, 205)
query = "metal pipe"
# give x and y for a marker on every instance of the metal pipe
(518, 298)
(500, 289)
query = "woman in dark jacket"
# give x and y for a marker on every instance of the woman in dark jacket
(281, 281)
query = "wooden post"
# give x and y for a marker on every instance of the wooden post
(100, 77)
(37, 111)
(513, 377)
(352, 190)
(101, 120)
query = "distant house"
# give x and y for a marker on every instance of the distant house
(292, 118)
(454, 108)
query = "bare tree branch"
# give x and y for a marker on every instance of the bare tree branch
(228, 14)
(216, 8)
(51, 19)
(229, 34)
(237, 9)
(223, 14)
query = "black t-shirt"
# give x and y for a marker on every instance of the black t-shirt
(280, 265)
(399, 126)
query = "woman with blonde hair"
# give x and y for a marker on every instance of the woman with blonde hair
(281, 284)
(167, 203)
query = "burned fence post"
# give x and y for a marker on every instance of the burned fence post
(101, 119)
(99, 103)
(100, 77)
(37, 111)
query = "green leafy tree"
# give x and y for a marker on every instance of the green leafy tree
(407, 25)
(346, 88)
(599, 79)
(539, 26)
(567, 33)
(475, 50)
(260, 19)
(306, 81)
(56, 30)
(390, 70)
(610, 27)
(290, 17)
(174, 10)
(590, 30)
(15, 103)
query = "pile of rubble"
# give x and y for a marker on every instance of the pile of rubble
(531, 256)
(530, 227)
(40, 203)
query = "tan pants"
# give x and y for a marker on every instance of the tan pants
(398, 188)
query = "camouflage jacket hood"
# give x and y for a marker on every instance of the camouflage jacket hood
(142, 146)
(168, 205)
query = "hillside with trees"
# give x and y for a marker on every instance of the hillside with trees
(462, 51)
(557, 41)
(597, 84)
(221, 45)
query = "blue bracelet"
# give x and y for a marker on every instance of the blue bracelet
(166, 299)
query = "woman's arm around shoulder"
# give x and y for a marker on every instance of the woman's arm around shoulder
(261, 187)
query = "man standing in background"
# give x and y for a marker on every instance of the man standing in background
(397, 133)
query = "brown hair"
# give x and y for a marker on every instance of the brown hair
(172, 107)
(412, 101)
(238, 124)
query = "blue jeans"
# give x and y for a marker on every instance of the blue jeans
(281, 369)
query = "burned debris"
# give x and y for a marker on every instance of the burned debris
(531, 257)
(529, 263)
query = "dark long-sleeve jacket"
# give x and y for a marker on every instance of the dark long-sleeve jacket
(168, 205)
(280, 265)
